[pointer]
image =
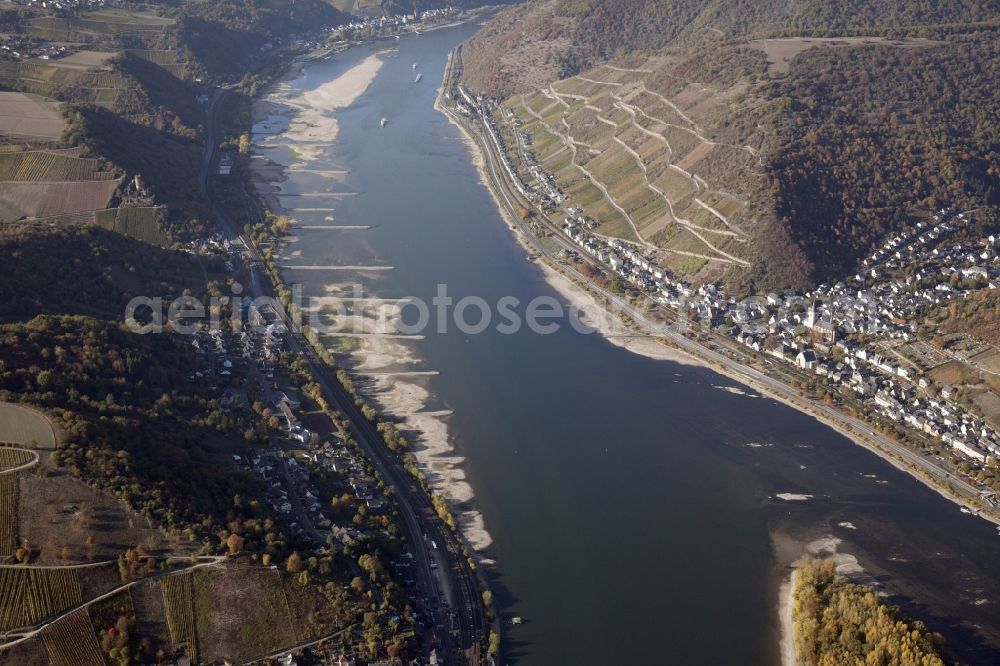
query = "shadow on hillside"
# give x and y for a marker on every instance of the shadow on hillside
(170, 165)
(165, 90)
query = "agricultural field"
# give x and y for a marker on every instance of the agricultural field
(71, 642)
(155, 56)
(48, 166)
(27, 116)
(29, 595)
(97, 24)
(641, 164)
(139, 223)
(20, 200)
(228, 614)
(262, 624)
(11, 457)
(27, 653)
(8, 514)
(178, 600)
(48, 79)
(151, 615)
(25, 426)
(359, 7)
(85, 59)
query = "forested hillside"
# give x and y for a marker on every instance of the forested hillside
(223, 36)
(873, 135)
(126, 428)
(574, 35)
(108, 269)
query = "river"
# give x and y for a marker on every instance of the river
(629, 504)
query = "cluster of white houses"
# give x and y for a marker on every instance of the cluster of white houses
(815, 331)
(62, 5)
(392, 21)
(544, 189)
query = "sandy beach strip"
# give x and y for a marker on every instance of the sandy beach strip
(786, 607)
(381, 364)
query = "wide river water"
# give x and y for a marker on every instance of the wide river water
(631, 502)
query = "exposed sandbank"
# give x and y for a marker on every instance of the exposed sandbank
(387, 373)
(824, 548)
(373, 360)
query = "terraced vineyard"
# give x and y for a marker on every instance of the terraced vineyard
(634, 155)
(28, 595)
(48, 166)
(178, 598)
(71, 642)
(11, 456)
(51, 199)
(139, 223)
(96, 24)
(50, 80)
(8, 514)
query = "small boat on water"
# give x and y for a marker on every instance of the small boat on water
(383, 122)
(419, 76)
(516, 620)
(414, 67)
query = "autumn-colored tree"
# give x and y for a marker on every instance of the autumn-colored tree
(234, 542)
(294, 564)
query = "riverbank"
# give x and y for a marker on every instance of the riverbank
(647, 343)
(385, 368)
(825, 548)
(786, 607)
(312, 126)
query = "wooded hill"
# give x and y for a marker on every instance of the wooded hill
(107, 268)
(579, 34)
(865, 117)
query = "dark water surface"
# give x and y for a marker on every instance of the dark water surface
(633, 520)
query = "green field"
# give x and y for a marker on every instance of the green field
(25, 426)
